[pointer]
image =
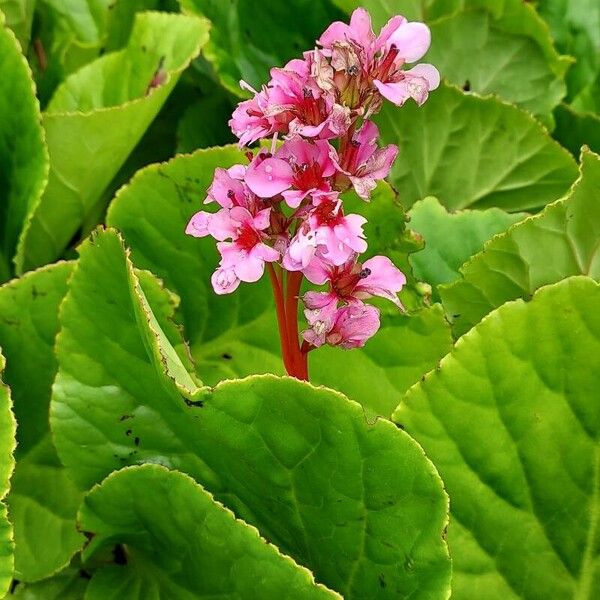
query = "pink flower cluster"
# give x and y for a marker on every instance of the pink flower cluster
(285, 209)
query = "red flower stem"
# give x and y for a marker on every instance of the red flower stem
(281, 320)
(297, 358)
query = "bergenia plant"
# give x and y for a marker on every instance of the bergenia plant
(284, 212)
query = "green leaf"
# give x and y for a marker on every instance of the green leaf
(401, 352)
(575, 130)
(501, 48)
(23, 155)
(512, 420)
(69, 584)
(473, 152)
(561, 241)
(69, 34)
(575, 27)
(28, 326)
(94, 121)
(167, 520)
(296, 461)
(589, 98)
(8, 426)
(42, 505)
(43, 501)
(152, 213)
(248, 38)
(452, 238)
(19, 15)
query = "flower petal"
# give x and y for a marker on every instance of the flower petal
(269, 177)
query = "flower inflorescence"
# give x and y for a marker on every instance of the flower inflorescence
(284, 209)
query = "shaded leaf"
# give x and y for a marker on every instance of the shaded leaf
(502, 48)
(452, 238)
(69, 584)
(575, 130)
(575, 27)
(19, 15)
(23, 155)
(473, 152)
(561, 241)
(43, 500)
(248, 38)
(96, 118)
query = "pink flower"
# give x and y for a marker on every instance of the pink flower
(311, 167)
(340, 235)
(268, 176)
(363, 162)
(348, 327)
(298, 164)
(246, 255)
(227, 187)
(248, 121)
(353, 282)
(381, 59)
(326, 233)
(416, 83)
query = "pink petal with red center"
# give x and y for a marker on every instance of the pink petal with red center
(387, 30)
(412, 41)
(269, 177)
(221, 226)
(262, 219)
(384, 279)
(317, 271)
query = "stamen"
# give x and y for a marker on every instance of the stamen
(246, 86)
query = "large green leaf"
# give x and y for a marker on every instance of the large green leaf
(575, 27)
(152, 213)
(512, 420)
(248, 38)
(23, 155)
(356, 502)
(19, 14)
(8, 426)
(452, 238)
(43, 501)
(473, 152)
(96, 118)
(563, 240)
(174, 531)
(502, 48)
